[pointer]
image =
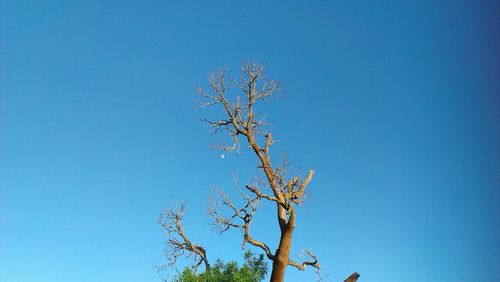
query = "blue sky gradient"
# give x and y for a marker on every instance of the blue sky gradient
(395, 104)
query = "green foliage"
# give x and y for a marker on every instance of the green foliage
(254, 269)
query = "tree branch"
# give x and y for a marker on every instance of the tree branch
(314, 263)
(353, 278)
(244, 214)
(177, 241)
(261, 195)
(296, 196)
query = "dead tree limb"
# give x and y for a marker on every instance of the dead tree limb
(353, 278)
(178, 244)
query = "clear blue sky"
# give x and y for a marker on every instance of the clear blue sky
(395, 104)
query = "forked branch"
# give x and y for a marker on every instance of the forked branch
(240, 218)
(314, 262)
(178, 244)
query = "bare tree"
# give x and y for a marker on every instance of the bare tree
(241, 123)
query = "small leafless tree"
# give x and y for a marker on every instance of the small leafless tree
(241, 123)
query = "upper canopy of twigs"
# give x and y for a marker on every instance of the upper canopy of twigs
(238, 97)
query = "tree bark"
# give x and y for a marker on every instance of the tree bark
(281, 257)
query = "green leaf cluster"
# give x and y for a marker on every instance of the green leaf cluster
(253, 269)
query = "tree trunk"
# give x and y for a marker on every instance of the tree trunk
(281, 258)
(283, 252)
